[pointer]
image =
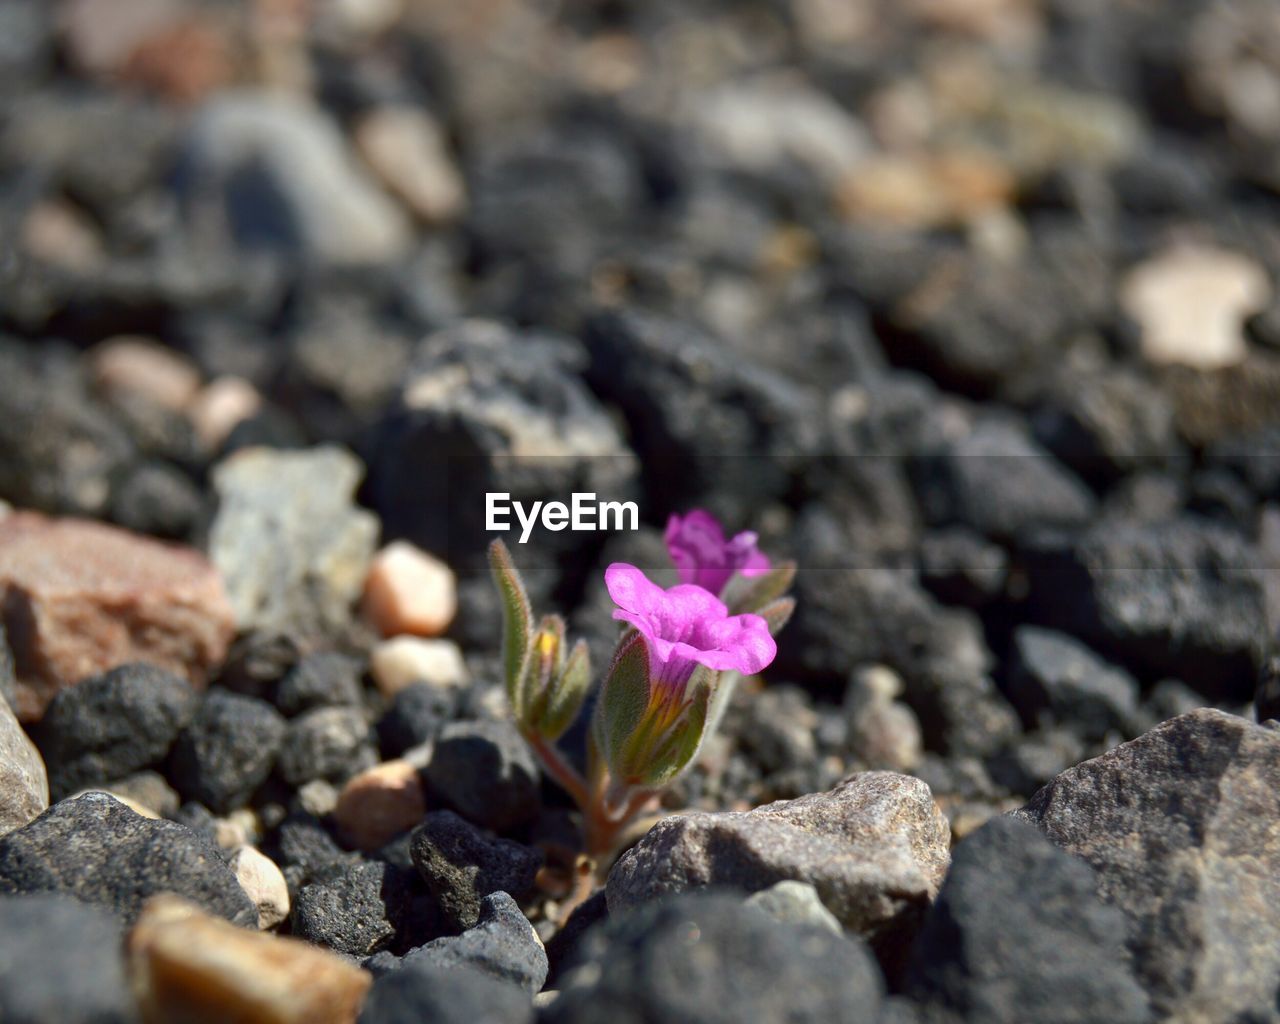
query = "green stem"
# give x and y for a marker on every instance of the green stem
(562, 771)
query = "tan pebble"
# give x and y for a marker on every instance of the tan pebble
(406, 148)
(378, 804)
(126, 365)
(318, 797)
(133, 805)
(189, 968)
(221, 406)
(409, 591)
(263, 882)
(404, 660)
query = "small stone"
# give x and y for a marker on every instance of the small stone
(462, 866)
(486, 772)
(24, 785)
(110, 725)
(876, 848)
(158, 499)
(263, 882)
(355, 909)
(416, 716)
(286, 182)
(287, 537)
(882, 732)
(1179, 826)
(1266, 701)
(503, 943)
(453, 995)
(141, 368)
(221, 406)
(187, 966)
(1191, 303)
(81, 598)
(94, 848)
(378, 804)
(796, 903)
(409, 591)
(327, 743)
(324, 680)
(1055, 675)
(405, 660)
(1061, 951)
(227, 751)
(406, 148)
(60, 961)
(959, 566)
(927, 190)
(705, 958)
(145, 789)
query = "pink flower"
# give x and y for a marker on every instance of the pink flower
(698, 547)
(687, 626)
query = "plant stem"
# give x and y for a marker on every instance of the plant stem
(562, 771)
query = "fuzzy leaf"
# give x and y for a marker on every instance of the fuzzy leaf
(675, 751)
(624, 699)
(517, 624)
(546, 661)
(778, 613)
(751, 593)
(567, 693)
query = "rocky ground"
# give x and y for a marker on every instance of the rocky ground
(968, 306)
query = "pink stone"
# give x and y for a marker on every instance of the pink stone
(409, 591)
(380, 803)
(80, 597)
(139, 366)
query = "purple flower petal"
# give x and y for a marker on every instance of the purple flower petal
(702, 556)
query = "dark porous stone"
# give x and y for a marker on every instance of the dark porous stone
(416, 715)
(1183, 598)
(959, 566)
(1266, 701)
(321, 680)
(461, 866)
(999, 482)
(111, 725)
(95, 849)
(707, 959)
(1179, 826)
(1054, 676)
(158, 499)
(61, 960)
(453, 995)
(876, 848)
(502, 944)
(361, 908)
(486, 772)
(327, 743)
(301, 843)
(1018, 934)
(227, 750)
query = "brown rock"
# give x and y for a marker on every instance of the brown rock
(80, 598)
(139, 366)
(189, 968)
(409, 591)
(378, 804)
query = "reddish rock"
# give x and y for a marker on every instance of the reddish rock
(80, 597)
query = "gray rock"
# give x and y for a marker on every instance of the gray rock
(61, 960)
(1183, 598)
(363, 907)
(453, 995)
(1018, 934)
(999, 482)
(797, 903)
(1055, 675)
(8, 675)
(1179, 826)
(227, 750)
(112, 725)
(461, 866)
(24, 785)
(94, 848)
(148, 788)
(876, 848)
(706, 959)
(416, 715)
(486, 772)
(327, 743)
(1266, 700)
(320, 681)
(286, 182)
(960, 566)
(503, 944)
(292, 547)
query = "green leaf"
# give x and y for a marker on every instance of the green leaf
(751, 593)
(517, 624)
(624, 700)
(567, 694)
(546, 660)
(778, 613)
(676, 750)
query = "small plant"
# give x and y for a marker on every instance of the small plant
(674, 667)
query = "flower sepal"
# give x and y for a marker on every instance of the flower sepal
(753, 593)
